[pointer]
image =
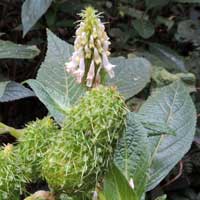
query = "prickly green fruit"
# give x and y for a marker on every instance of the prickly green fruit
(84, 146)
(11, 176)
(33, 145)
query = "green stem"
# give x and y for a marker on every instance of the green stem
(14, 132)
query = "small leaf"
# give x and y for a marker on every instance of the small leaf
(53, 85)
(188, 31)
(11, 50)
(10, 91)
(116, 187)
(131, 75)
(32, 11)
(171, 105)
(144, 28)
(168, 56)
(132, 155)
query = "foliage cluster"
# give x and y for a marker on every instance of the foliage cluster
(154, 135)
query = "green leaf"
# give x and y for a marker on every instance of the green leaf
(158, 128)
(156, 3)
(144, 28)
(188, 31)
(32, 11)
(187, 1)
(131, 75)
(53, 86)
(3, 87)
(11, 50)
(10, 91)
(54, 108)
(169, 56)
(132, 155)
(116, 187)
(171, 105)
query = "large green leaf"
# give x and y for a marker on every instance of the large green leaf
(11, 50)
(131, 75)
(32, 10)
(144, 27)
(132, 155)
(3, 85)
(10, 91)
(169, 56)
(116, 187)
(53, 86)
(189, 31)
(171, 105)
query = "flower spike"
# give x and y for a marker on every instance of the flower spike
(91, 50)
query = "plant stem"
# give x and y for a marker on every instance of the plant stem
(14, 132)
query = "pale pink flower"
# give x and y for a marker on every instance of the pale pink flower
(97, 57)
(107, 65)
(71, 66)
(91, 74)
(79, 73)
(91, 42)
(106, 44)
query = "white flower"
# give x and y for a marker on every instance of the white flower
(91, 74)
(79, 73)
(91, 42)
(88, 52)
(83, 38)
(108, 66)
(71, 66)
(97, 57)
(106, 45)
(76, 56)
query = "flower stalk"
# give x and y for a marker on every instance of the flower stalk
(17, 133)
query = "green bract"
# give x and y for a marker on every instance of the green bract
(84, 146)
(33, 145)
(11, 176)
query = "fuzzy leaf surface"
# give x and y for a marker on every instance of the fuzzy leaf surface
(10, 91)
(169, 56)
(32, 10)
(116, 187)
(171, 105)
(11, 50)
(144, 28)
(131, 75)
(53, 85)
(131, 155)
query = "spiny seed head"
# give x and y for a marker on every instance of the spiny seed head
(85, 145)
(33, 145)
(91, 46)
(12, 178)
